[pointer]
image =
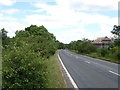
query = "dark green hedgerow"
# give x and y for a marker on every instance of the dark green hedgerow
(24, 58)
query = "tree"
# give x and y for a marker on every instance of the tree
(82, 46)
(116, 31)
(60, 45)
(24, 59)
(5, 39)
(4, 33)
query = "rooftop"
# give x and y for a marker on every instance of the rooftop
(100, 39)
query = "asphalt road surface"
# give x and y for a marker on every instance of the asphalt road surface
(88, 72)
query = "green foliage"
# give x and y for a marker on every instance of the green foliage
(112, 52)
(55, 78)
(116, 31)
(117, 42)
(115, 52)
(5, 39)
(24, 58)
(82, 46)
(103, 52)
(23, 69)
(60, 45)
(4, 33)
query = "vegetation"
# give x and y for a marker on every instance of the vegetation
(5, 39)
(85, 47)
(55, 78)
(28, 60)
(82, 46)
(25, 56)
(116, 31)
(60, 45)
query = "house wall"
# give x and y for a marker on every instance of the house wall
(106, 45)
(102, 43)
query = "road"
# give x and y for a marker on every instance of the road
(89, 72)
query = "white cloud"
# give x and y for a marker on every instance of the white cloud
(42, 1)
(9, 27)
(92, 5)
(74, 34)
(10, 11)
(7, 2)
(68, 24)
(67, 19)
(6, 18)
(10, 24)
(64, 15)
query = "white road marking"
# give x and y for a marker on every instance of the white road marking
(114, 73)
(77, 57)
(71, 79)
(87, 61)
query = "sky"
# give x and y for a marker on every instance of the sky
(68, 20)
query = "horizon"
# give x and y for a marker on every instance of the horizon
(70, 41)
(68, 20)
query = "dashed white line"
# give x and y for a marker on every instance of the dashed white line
(87, 61)
(71, 79)
(114, 73)
(77, 57)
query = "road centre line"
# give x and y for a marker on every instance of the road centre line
(114, 73)
(87, 61)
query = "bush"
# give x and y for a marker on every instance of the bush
(115, 52)
(103, 52)
(86, 47)
(24, 58)
(23, 70)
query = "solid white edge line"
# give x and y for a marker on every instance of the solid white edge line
(114, 73)
(71, 79)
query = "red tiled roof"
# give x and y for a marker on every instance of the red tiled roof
(99, 40)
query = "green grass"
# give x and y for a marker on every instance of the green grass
(55, 78)
(107, 58)
(95, 55)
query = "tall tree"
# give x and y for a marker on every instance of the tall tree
(4, 33)
(5, 39)
(116, 31)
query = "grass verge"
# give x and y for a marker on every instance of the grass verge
(55, 78)
(95, 55)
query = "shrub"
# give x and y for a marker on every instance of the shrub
(24, 58)
(103, 52)
(115, 52)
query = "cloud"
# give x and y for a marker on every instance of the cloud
(72, 27)
(7, 2)
(67, 19)
(66, 14)
(42, 1)
(6, 18)
(73, 34)
(10, 11)
(92, 5)
(10, 24)
(9, 27)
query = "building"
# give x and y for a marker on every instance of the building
(102, 42)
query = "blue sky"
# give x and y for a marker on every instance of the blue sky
(68, 20)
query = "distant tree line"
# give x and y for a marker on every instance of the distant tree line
(85, 47)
